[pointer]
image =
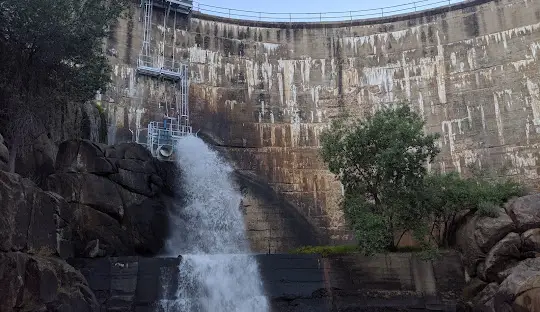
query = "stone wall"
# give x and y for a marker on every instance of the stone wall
(393, 282)
(266, 90)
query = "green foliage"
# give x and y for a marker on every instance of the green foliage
(51, 53)
(326, 250)
(381, 163)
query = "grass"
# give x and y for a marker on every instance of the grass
(326, 251)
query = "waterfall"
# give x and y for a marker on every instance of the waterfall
(217, 273)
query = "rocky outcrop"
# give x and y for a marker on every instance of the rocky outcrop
(115, 196)
(501, 256)
(37, 283)
(34, 237)
(100, 201)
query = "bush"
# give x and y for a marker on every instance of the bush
(381, 163)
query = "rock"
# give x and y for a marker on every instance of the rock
(170, 176)
(90, 225)
(505, 253)
(518, 280)
(82, 156)
(134, 181)
(488, 231)
(4, 153)
(28, 216)
(525, 211)
(478, 235)
(95, 191)
(128, 151)
(148, 224)
(93, 250)
(136, 165)
(466, 244)
(473, 288)
(35, 283)
(529, 299)
(531, 240)
(482, 301)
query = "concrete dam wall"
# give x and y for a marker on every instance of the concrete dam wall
(264, 91)
(393, 282)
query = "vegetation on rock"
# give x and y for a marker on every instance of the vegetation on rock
(51, 54)
(381, 162)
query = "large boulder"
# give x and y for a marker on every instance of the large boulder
(531, 240)
(478, 235)
(36, 283)
(504, 254)
(522, 278)
(525, 211)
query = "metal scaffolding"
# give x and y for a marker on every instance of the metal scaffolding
(162, 135)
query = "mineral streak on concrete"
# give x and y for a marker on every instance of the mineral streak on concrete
(267, 90)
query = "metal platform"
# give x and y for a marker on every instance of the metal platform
(162, 137)
(168, 69)
(180, 6)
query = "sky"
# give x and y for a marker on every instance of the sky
(301, 6)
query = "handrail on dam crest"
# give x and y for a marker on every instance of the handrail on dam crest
(409, 7)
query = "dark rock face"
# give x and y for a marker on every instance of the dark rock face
(117, 196)
(36, 283)
(30, 217)
(501, 256)
(4, 154)
(101, 201)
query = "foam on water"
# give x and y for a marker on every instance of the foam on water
(217, 273)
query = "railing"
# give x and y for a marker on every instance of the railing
(414, 6)
(162, 63)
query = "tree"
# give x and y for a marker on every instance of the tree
(51, 52)
(381, 163)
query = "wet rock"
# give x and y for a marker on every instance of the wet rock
(147, 222)
(531, 240)
(525, 211)
(36, 283)
(504, 254)
(88, 189)
(82, 156)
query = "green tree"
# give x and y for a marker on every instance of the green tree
(51, 52)
(381, 163)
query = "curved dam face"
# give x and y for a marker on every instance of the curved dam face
(265, 91)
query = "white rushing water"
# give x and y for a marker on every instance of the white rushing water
(217, 273)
